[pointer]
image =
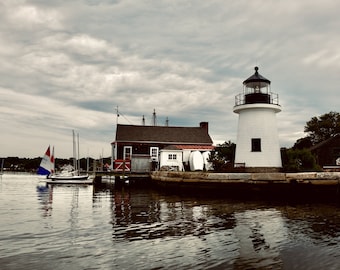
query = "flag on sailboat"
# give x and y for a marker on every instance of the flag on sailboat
(52, 162)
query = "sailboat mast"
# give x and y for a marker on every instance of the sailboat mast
(52, 162)
(78, 156)
(2, 166)
(74, 151)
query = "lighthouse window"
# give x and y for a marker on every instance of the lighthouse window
(256, 145)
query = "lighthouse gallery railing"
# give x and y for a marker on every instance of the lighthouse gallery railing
(273, 98)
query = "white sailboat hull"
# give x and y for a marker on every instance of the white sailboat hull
(70, 182)
(69, 177)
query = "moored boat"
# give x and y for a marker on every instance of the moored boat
(196, 161)
(68, 175)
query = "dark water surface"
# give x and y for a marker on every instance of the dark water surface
(106, 227)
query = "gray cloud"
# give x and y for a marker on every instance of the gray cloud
(67, 65)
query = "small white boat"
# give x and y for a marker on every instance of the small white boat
(196, 161)
(207, 164)
(69, 174)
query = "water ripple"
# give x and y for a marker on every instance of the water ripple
(103, 227)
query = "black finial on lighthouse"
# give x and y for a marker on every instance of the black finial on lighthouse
(256, 69)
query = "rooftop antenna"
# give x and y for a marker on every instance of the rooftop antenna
(117, 115)
(154, 118)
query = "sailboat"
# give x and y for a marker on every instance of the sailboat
(46, 167)
(70, 173)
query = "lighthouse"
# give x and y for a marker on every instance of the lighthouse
(257, 146)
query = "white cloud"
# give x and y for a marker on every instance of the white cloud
(29, 16)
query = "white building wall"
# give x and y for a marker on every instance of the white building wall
(165, 161)
(258, 121)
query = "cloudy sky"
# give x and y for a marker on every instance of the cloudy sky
(66, 65)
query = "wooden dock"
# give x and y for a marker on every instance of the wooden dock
(119, 176)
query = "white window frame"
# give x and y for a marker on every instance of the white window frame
(154, 156)
(172, 156)
(127, 152)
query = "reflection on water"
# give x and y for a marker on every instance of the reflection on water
(45, 197)
(105, 227)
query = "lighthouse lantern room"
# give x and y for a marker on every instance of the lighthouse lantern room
(257, 146)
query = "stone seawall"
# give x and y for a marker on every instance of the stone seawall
(319, 178)
(298, 186)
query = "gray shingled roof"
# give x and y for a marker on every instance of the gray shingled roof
(162, 134)
(325, 142)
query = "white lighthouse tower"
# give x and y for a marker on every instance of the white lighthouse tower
(257, 145)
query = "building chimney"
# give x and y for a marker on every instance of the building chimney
(205, 125)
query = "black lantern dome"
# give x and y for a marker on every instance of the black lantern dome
(256, 80)
(256, 89)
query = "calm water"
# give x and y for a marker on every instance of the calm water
(74, 227)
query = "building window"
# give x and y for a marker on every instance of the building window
(172, 156)
(256, 145)
(154, 153)
(127, 152)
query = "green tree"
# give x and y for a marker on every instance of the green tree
(222, 158)
(323, 127)
(297, 160)
(302, 143)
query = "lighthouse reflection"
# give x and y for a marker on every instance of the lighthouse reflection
(150, 215)
(253, 232)
(189, 231)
